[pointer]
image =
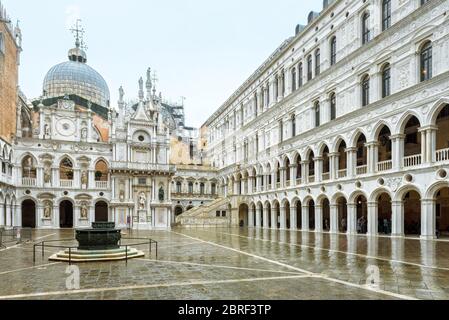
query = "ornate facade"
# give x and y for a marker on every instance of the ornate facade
(345, 128)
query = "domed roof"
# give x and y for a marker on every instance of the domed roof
(75, 77)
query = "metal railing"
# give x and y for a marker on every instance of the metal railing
(43, 245)
(15, 235)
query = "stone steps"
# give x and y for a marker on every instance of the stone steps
(97, 255)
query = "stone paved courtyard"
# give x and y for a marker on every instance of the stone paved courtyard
(239, 264)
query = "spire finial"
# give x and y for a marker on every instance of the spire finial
(154, 81)
(78, 33)
(141, 94)
(149, 83)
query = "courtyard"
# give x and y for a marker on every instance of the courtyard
(238, 264)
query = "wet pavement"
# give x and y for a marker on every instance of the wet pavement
(239, 264)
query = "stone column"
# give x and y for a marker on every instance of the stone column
(18, 215)
(293, 218)
(273, 179)
(2, 215)
(431, 143)
(333, 165)
(372, 154)
(8, 216)
(40, 177)
(305, 172)
(251, 213)
(318, 218)
(293, 174)
(305, 218)
(265, 217)
(397, 145)
(423, 145)
(283, 218)
(258, 217)
(351, 161)
(428, 219)
(334, 218)
(274, 218)
(397, 223)
(352, 218)
(373, 224)
(318, 169)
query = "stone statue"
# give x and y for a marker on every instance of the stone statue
(47, 210)
(84, 179)
(161, 194)
(84, 133)
(84, 211)
(47, 175)
(47, 131)
(121, 94)
(142, 201)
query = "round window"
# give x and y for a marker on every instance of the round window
(141, 138)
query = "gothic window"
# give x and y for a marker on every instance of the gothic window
(386, 14)
(333, 51)
(426, 61)
(386, 81)
(366, 33)
(365, 90)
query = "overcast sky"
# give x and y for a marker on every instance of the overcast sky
(202, 50)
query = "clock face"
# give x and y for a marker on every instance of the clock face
(66, 127)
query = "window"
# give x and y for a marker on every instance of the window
(424, 2)
(293, 79)
(178, 187)
(293, 125)
(268, 94)
(2, 43)
(317, 114)
(333, 51)
(386, 14)
(213, 189)
(317, 62)
(365, 90)
(365, 28)
(333, 106)
(262, 102)
(300, 71)
(276, 88)
(66, 170)
(426, 61)
(386, 81)
(191, 150)
(282, 80)
(309, 68)
(202, 188)
(101, 171)
(190, 187)
(28, 168)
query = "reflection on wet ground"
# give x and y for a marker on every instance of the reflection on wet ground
(240, 264)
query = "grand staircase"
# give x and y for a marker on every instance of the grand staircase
(205, 215)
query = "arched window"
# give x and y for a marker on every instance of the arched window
(386, 80)
(191, 187)
(282, 83)
(293, 75)
(309, 67)
(268, 94)
(426, 61)
(317, 62)
(366, 33)
(213, 189)
(276, 88)
(28, 168)
(333, 106)
(317, 114)
(333, 51)
(101, 171)
(365, 90)
(386, 14)
(178, 187)
(66, 170)
(300, 75)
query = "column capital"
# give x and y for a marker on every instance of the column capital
(351, 149)
(333, 154)
(372, 144)
(305, 162)
(428, 128)
(318, 159)
(398, 137)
